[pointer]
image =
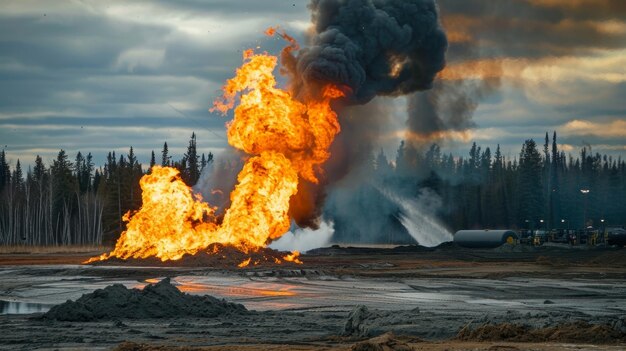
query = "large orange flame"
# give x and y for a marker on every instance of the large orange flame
(287, 139)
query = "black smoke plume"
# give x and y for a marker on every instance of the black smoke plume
(368, 48)
(449, 105)
(371, 47)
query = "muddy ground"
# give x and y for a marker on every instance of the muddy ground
(511, 298)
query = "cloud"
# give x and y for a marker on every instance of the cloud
(533, 28)
(97, 76)
(611, 129)
(140, 57)
(115, 68)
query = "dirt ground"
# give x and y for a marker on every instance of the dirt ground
(405, 261)
(425, 296)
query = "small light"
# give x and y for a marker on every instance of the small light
(562, 221)
(541, 220)
(602, 220)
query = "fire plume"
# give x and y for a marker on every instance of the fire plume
(287, 140)
(270, 119)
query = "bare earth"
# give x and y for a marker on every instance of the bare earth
(340, 298)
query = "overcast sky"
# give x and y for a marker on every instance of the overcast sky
(97, 76)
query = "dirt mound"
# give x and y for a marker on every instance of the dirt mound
(215, 256)
(576, 332)
(355, 324)
(385, 342)
(365, 322)
(161, 300)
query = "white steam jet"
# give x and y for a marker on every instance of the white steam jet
(418, 218)
(306, 239)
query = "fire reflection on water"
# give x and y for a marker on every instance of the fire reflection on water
(260, 292)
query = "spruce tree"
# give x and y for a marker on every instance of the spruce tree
(39, 170)
(132, 174)
(17, 179)
(63, 203)
(529, 185)
(88, 168)
(165, 157)
(5, 172)
(191, 172)
(152, 160)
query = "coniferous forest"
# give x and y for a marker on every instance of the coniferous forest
(73, 202)
(541, 188)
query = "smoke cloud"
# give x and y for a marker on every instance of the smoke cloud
(371, 47)
(368, 48)
(303, 240)
(219, 178)
(448, 106)
(375, 48)
(483, 38)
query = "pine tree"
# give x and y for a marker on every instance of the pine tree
(132, 159)
(203, 163)
(498, 163)
(132, 174)
(111, 192)
(500, 201)
(474, 160)
(433, 157)
(485, 164)
(40, 169)
(546, 146)
(165, 158)
(152, 160)
(17, 179)
(191, 172)
(5, 172)
(88, 168)
(82, 172)
(554, 188)
(546, 169)
(63, 185)
(97, 178)
(530, 187)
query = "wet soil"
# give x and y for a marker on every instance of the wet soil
(339, 298)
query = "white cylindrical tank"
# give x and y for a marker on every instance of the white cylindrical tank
(485, 238)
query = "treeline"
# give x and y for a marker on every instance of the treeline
(541, 188)
(71, 202)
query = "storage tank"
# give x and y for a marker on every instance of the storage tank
(485, 238)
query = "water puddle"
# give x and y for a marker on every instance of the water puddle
(18, 307)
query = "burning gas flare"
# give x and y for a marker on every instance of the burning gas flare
(287, 139)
